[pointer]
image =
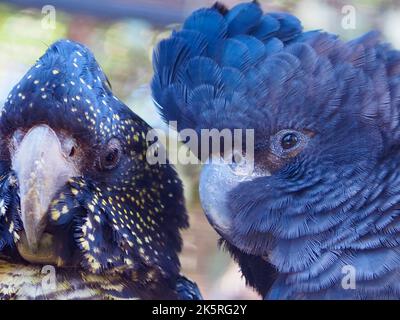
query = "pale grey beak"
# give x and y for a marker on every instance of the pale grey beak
(42, 169)
(217, 179)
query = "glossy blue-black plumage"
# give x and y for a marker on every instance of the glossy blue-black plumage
(334, 204)
(124, 220)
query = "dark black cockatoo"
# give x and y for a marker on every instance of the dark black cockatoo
(318, 217)
(77, 193)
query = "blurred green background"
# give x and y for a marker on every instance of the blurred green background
(122, 34)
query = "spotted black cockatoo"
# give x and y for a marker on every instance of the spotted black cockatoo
(318, 217)
(77, 193)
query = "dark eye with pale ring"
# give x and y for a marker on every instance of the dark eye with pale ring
(289, 140)
(288, 143)
(111, 155)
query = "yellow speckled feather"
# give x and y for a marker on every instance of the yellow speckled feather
(111, 219)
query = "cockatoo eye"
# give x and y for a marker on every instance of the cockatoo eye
(289, 140)
(288, 143)
(111, 155)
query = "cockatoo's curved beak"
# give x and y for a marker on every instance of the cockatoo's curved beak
(217, 179)
(42, 169)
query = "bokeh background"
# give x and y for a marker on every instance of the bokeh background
(122, 34)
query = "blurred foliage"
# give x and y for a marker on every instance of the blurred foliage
(124, 49)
